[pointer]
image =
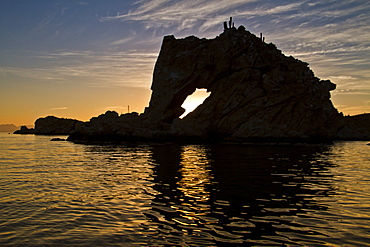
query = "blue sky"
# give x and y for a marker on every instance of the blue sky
(77, 59)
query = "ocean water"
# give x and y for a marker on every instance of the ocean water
(65, 194)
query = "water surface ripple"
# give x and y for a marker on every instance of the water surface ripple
(60, 193)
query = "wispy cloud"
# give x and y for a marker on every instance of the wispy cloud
(342, 77)
(197, 14)
(31, 73)
(355, 110)
(297, 26)
(59, 108)
(123, 41)
(102, 69)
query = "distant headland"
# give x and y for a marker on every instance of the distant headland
(257, 95)
(8, 127)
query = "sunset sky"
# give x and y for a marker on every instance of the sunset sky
(78, 59)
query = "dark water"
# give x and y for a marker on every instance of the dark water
(59, 193)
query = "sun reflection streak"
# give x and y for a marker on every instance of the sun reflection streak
(195, 171)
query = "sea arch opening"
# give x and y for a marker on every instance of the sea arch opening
(194, 100)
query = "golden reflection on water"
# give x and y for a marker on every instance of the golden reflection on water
(196, 175)
(55, 193)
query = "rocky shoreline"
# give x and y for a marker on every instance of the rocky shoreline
(257, 95)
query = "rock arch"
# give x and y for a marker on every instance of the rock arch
(256, 91)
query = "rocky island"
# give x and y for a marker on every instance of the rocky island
(257, 94)
(50, 126)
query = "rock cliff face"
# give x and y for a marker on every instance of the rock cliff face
(257, 94)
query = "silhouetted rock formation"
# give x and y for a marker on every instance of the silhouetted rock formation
(51, 126)
(256, 91)
(111, 127)
(25, 130)
(257, 94)
(55, 126)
